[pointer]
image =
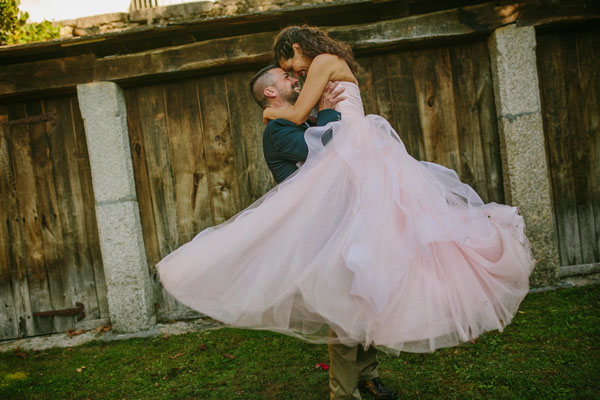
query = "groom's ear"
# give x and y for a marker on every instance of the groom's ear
(270, 92)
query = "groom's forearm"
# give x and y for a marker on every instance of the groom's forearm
(328, 115)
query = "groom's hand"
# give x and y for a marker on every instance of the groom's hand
(331, 96)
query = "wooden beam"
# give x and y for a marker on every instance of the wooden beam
(255, 49)
(55, 74)
(210, 54)
(454, 23)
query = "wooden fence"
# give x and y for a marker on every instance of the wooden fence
(196, 136)
(197, 143)
(49, 249)
(569, 69)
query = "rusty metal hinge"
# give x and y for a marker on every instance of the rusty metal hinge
(78, 311)
(50, 116)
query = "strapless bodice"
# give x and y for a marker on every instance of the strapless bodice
(352, 105)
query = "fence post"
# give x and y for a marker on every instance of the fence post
(523, 150)
(123, 255)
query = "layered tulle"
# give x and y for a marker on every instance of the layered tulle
(385, 249)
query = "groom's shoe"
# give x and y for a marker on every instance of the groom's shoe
(375, 388)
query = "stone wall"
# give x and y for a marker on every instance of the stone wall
(185, 12)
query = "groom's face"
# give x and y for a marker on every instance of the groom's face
(287, 85)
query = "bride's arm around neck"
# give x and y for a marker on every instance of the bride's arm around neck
(323, 68)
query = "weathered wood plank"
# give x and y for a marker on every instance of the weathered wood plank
(572, 142)
(245, 116)
(584, 142)
(555, 115)
(91, 251)
(55, 74)
(49, 218)
(383, 92)
(32, 251)
(435, 99)
(140, 169)
(10, 305)
(589, 59)
(79, 273)
(155, 140)
(188, 168)
(144, 192)
(187, 160)
(404, 99)
(543, 12)
(152, 109)
(488, 123)
(255, 49)
(218, 148)
(472, 165)
(367, 85)
(206, 55)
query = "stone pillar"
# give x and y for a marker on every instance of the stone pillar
(123, 255)
(523, 151)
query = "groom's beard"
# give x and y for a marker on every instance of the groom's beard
(294, 93)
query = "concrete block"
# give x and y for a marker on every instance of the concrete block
(104, 114)
(129, 290)
(524, 162)
(130, 298)
(515, 70)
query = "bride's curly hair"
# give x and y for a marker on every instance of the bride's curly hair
(313, 42)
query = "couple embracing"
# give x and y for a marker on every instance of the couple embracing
(359, 245)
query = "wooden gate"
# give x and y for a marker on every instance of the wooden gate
(197, 143)
(49, 249)
(569, 71)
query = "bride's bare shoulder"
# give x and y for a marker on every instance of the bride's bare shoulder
(340, 71)
(328, 58)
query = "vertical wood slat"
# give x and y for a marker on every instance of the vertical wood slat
(217, 135)
(33, 251)
(188, 168)
(151, 137)
(404, 97)
(11, 305)
(91, 253)
(570, 114)
(218, 148)
(245, 116)
(585, 145)
(588, 44)
(42, 218)
(49, 218)
(80, 280)
(572, 93)
(187, 160)
(435, 98)
(156, 144)
(472, 167)
(488, 126)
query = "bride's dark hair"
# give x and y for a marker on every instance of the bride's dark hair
(313, 42)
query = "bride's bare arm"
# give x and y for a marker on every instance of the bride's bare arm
(319, 73)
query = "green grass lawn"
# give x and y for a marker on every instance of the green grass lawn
(550, 351)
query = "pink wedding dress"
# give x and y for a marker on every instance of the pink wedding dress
(387, 250)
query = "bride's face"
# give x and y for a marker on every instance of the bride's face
(298, 64)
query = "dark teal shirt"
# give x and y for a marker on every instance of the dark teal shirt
(284, 145)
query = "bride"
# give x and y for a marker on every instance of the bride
(386, 250)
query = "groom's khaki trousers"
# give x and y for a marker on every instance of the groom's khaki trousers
(347, 366)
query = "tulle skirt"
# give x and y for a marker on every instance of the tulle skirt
(386, 250)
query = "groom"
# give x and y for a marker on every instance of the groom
(353, 370)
